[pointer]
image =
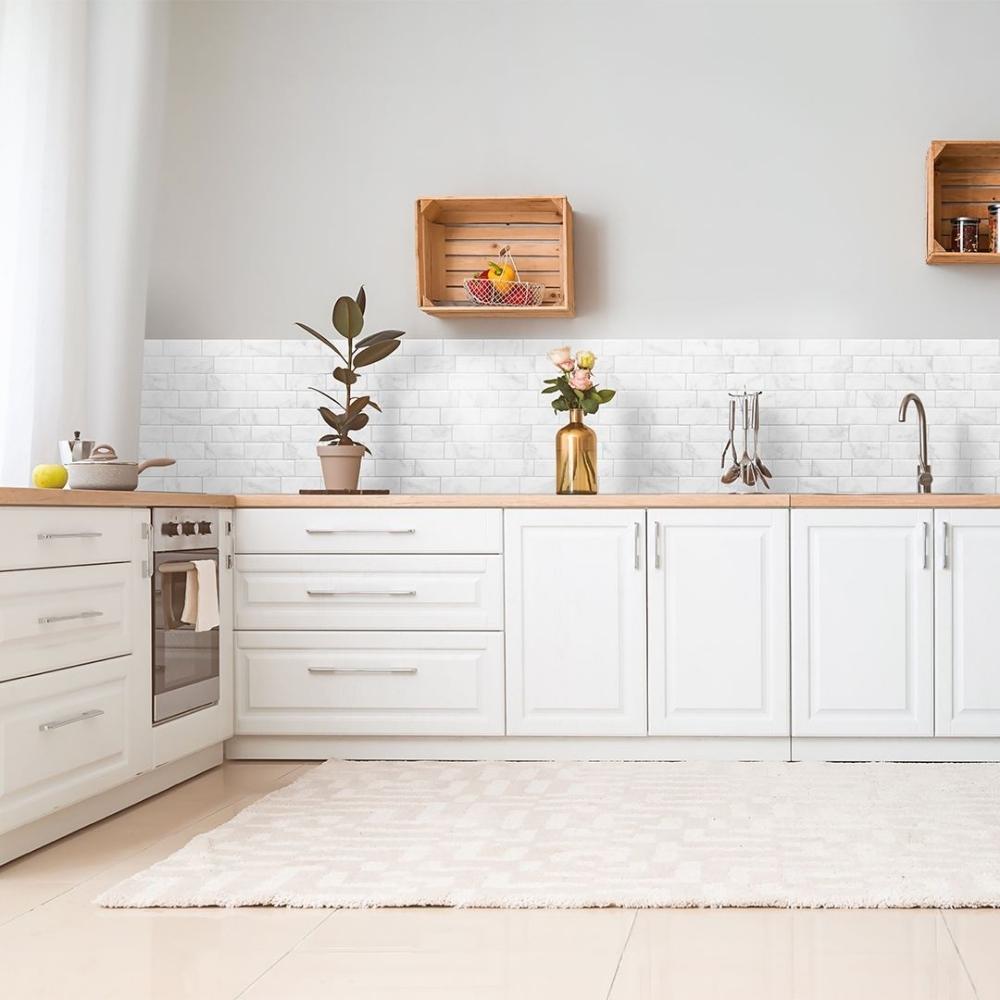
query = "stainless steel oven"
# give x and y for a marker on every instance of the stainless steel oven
(185, 662)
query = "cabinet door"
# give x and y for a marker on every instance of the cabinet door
(718, 622)
(576, 622)
(862, 623)
(967, 597)
(70, 734)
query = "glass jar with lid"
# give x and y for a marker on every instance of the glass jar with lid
(964, 234)
(994, 243)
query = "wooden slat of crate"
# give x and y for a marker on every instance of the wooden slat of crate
(963, 177)
(456, 237)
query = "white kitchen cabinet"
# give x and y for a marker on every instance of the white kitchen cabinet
(69, 734)
(322, 531)
(575, 586)
(34, 537)
(862, 623)
(382, 592)
(967, 602)
(718, 622)
(370, 683)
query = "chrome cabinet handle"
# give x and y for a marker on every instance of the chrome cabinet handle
(638, 554)
(362, 670)
(47, 727)
(46, 536)
(658, 562)
(945, 533)
(49, 619)
(927, 544)
(361, 531)
(361, 593)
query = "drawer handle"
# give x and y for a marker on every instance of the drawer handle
(361, 593)
(46, 536)
(93, 713)
(49, 619)
(361, 531)
(362, 670)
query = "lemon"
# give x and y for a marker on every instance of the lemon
(49, 477)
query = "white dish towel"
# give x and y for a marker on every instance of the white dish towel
(201, 596)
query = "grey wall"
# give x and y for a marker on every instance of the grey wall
(737, 170)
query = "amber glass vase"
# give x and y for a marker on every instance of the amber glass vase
(576, 456)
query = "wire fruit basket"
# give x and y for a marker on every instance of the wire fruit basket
(492, 292)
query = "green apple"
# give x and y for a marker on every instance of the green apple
(49, 477)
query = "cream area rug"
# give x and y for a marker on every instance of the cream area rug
(598, 834)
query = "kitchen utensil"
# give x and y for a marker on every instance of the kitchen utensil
(75, 450)
(105, 471)
(733, 472)
(730, 444)
(764, 471)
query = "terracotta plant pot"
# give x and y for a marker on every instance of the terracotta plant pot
(341, 465)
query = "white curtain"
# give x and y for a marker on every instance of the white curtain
(81, 88)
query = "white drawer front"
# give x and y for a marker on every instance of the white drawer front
(68, 735)
(361, 530)
(53, 618)
(370, 683)
(64, 536)
(369, 592)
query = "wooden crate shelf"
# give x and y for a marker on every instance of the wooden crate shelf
(456, 236)
(963, 177)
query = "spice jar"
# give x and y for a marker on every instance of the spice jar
(964, 234)
(994, 244)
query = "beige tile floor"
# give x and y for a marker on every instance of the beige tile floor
(54, 943)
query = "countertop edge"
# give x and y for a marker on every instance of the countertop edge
(28, 497)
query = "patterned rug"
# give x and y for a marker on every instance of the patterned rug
(598, 834)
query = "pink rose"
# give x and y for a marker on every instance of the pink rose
(562, 358)
(580, 379)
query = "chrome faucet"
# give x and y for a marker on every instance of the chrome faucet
(924, 477)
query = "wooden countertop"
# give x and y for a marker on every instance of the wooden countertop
(27, 497)
(522, 500)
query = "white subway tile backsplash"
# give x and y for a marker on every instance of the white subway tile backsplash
(467, 415)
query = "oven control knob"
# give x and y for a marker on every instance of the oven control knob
(187, 528)
(169, 528)
(204, 527)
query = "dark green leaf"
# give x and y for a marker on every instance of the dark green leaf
(560, 404)
(606, 395)
(568, 394)
(589, 405)
(380, 337)
(328, 396)
(347, 318)
(333, 419)
(357, 422)
(357, 405)
(323, 339)
(550, 388)
(345, 375)
(361, 299)
(376, 352)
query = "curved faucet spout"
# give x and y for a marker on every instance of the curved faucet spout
(924, 477)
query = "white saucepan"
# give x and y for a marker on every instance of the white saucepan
(105, 471)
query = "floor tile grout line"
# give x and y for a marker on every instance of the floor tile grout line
(958, 952)
(621, 956)
(282, 957)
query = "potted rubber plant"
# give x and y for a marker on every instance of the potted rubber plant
(339, 454)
